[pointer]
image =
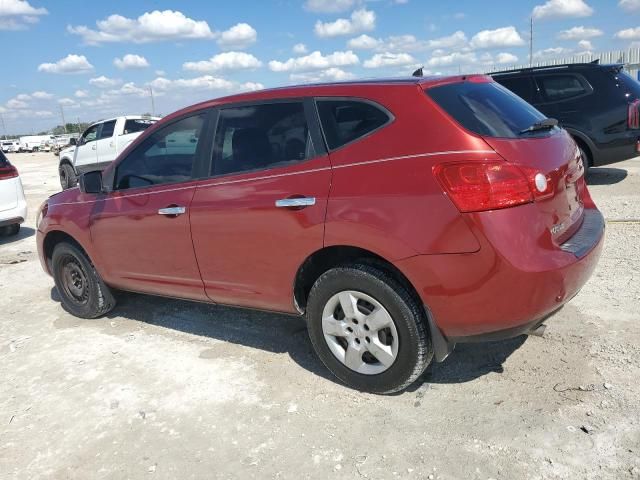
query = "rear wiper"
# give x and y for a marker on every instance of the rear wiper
(546, 124)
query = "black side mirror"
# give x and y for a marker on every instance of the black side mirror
(73, 141)
(91, 182)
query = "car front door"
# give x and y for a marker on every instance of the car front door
(106, 145)
(86, 152)
(140, 230)
(261, 214)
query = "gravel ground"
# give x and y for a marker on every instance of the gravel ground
(170, 389)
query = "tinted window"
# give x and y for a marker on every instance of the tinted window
(486, 108)
(137, 125)
(521, 86)
(167, 156)
(3, 160)
(628, 84)
(561, 87)
(344, 121)
(90, 134)
(107, 129)
(261, 136)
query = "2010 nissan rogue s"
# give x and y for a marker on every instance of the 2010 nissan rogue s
(400, 216)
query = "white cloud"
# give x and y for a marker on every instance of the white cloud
(315, 61)
(71, 64)
(149, 27)
(17, 104)
(500, 37)
(206, 82)
(81, 94)
(332, 74)
(363, 42)
(440, 59)
(389, 60)
(160, 73)
(300, 48)
(551, 52)
(43, 114)
(66, 102)
(18, 14)
(455, 40)
(224, 61)
(629, 34)
(105, 82)
(629, 5)
(330, 6)
(561, 9)
(130, 61)
(506, 58)
(361, 20)
(41, 95)
(579, 33)
(586, 45)
(238, 37)
(23, 96)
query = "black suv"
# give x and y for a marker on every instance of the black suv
(597, 104)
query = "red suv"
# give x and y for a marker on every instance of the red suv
(399, 216)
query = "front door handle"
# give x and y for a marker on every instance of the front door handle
(296, 202)
(172, 211)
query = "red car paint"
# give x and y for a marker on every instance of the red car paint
(477, 272)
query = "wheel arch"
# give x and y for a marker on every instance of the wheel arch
(585, 143)
(55, 237)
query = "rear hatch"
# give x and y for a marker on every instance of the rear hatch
(545, 154)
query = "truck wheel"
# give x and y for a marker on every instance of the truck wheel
(10, 230)
(68, 178)
(368, 329)
(81, 289)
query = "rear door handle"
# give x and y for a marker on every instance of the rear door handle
(172, 211)
(296, 202)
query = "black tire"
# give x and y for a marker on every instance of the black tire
(10, 230)
(68, 178)
(415, 350)
(81, 289)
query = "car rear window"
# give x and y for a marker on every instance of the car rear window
(486, 108)
(628, 84)
(137, 125)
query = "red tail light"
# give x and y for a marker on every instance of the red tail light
(8, 171)
(478, 186)
(633, 117)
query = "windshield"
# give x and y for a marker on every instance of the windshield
(487, 109)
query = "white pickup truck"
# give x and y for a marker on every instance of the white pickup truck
(99, 145)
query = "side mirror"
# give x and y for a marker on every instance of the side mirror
(91, 182)
(73, 141)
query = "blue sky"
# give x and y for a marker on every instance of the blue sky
(100, 59)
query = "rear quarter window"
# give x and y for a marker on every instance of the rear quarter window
(563, 86)
(486, 108)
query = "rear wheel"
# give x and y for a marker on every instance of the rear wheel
(368, 329)
(68, 178)
(10, 230)
(81, 289)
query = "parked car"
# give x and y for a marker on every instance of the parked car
(399, 216)
(10, 146)
(597, 104)
(13, 206)
(33, 143)
(100, 144)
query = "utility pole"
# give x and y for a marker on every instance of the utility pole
(4, 128)
(64, 124)
(153, 105)
(531, 43)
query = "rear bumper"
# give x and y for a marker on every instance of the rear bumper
(17, 214)
(511, 285)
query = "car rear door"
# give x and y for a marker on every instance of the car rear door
(140, 230)
(106, 144)
(262, 212)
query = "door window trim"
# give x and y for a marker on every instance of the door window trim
(317, 140)
(390, 117)
(204, 148)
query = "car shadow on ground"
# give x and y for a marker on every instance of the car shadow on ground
(279, 333)
(24, 232)
(605, 175)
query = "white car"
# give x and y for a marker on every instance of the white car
(10, 146)
(13, 205)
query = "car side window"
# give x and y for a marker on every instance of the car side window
(344, 121)
(521, 86)
(166, 156)
(137, 125)
(561, 87)
(261, 136)
(90, 134)
(107, 129)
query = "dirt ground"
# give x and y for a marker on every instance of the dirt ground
(170, 389)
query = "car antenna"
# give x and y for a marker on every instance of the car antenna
(418, 73)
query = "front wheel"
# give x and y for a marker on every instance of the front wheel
(368, 329)
(81, 289)
(68, 178)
